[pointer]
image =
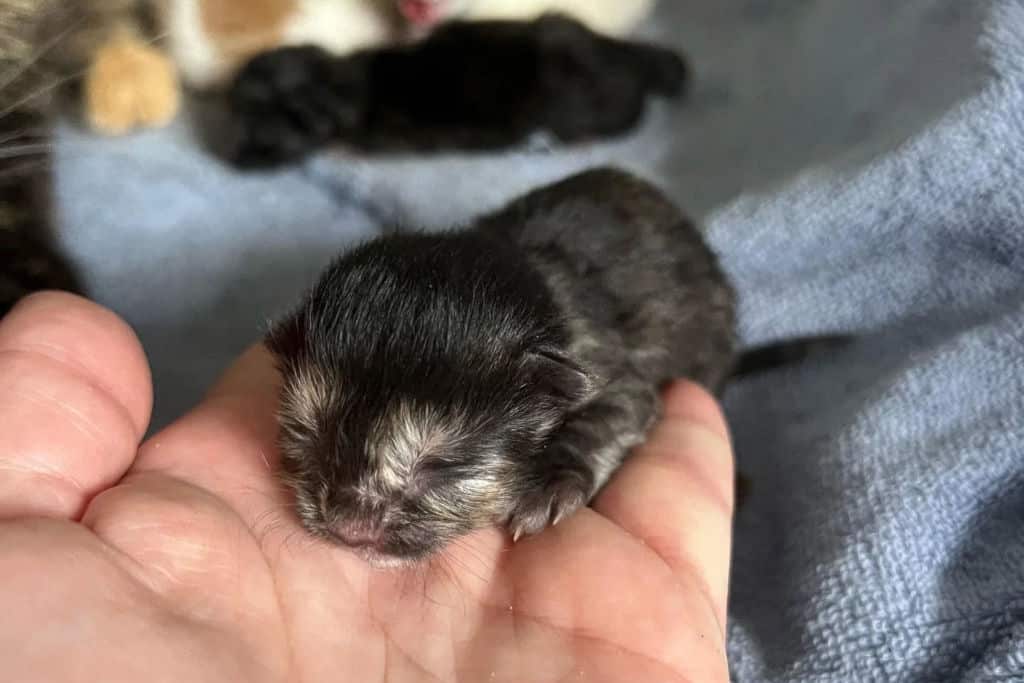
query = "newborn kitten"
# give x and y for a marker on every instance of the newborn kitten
(439, 383)
(468, 86)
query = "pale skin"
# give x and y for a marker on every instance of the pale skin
(177, 559)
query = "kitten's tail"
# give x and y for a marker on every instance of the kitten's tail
(790, 352)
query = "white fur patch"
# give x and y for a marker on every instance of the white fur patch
(402, 438)
(340, 26)
(615, 17)
(306, 395)
(409, 434)
(200, 63)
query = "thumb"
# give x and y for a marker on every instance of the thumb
(75, 397)
(676, 492)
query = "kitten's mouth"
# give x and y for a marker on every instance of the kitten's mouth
(377, 552)
(422, 13)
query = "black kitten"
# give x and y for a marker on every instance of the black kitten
(469, 86)
(439, 383)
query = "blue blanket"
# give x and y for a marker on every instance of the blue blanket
(860, 167)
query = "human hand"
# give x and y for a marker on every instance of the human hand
(179, 559)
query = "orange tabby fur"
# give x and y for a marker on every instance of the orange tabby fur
(130, 84)
(241, 29)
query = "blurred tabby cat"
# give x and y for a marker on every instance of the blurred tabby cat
(28, 259)
(45, 45)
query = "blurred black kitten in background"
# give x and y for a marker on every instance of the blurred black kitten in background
(469, 86)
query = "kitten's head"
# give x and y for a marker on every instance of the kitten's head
(421, 375)
(293, 100)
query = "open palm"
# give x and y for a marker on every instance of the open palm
(179, 560)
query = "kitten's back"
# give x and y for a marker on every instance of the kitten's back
(632, 270)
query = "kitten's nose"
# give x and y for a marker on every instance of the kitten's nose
(357, 533)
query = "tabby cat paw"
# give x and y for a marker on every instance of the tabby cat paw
(564, 493)
(130, 85)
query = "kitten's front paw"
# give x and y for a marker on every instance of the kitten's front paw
(287, 103)
(131, 84)
(564, 492)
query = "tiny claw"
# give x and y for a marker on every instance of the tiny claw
(565, 508)
(546, 506)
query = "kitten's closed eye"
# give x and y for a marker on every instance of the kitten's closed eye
(437, 473)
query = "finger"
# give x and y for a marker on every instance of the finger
(676, 492)
(75, 400)
(227, 444)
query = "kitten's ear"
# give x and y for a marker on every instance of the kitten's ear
(287, 338)
(557, 374)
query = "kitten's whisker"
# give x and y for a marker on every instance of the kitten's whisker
(464, 566)
(15, 151)
(474, 554)
(437, 572)
(38, 133)
(53, 85)
(25, 168)
(153, 40)
(23, 68)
